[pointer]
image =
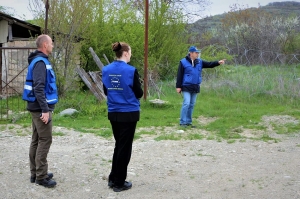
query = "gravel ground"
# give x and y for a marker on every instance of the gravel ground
(158, 169)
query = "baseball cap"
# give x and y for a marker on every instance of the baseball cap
(194, 49)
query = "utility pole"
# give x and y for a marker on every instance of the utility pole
(146, 49)
(46, 18)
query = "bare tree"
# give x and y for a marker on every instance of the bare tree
(258, 34)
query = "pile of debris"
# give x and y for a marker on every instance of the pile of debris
(93, 80)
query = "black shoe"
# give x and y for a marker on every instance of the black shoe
(127, 185)
(46, 182)
(111, 184)
(32, 178)
(183, 125)
(192, 126)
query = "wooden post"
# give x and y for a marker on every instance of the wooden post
(46, 18)
(146, 49)
(1, 68)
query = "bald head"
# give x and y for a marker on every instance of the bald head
(44, 44)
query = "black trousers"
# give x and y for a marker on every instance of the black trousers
(123, 134)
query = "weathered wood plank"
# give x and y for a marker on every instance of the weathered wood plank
(89, 83)
(98, 83)
(96, 59)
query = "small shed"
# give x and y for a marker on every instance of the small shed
(16, 43)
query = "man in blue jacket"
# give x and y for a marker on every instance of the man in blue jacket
(189, 80)
(40, 92)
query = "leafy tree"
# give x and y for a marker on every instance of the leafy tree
(111, 24)
(168, 38)
(77, 25)
(67, 24)
(125, 22)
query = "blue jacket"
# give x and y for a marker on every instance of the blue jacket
(118, 81)
(189, 76)
(50, 89)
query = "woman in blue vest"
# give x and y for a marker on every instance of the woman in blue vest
(188, 82)
(123, 89)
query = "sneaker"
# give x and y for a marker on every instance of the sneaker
(32, 178)
(126, 186)
(183, 125)
(111, 184)
(46, 182)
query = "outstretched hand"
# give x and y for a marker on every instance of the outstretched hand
(222, 61)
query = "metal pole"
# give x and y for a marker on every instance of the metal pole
(146, 49)
(46, 20)
(1, 68)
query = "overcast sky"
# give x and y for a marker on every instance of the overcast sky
(221, 6)
(217, 6)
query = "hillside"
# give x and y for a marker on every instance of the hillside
(284, 9)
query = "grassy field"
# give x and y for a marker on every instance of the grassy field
(232, 98)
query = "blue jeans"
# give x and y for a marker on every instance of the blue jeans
(189, 100)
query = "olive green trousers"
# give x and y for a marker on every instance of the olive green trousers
(40, 144)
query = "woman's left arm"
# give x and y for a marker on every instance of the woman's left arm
(137, 86)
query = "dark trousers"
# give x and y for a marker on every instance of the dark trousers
(40, 145)
(123, 134)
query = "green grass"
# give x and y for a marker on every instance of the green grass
(58, 133)
(107, 133)
(236, 97)
(172, 136)
(139, 135)
(2, 128)
(11, 127)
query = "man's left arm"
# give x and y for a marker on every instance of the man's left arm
(206, 64)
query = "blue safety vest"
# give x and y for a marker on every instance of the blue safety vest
(192, 74)
(118, 78)
(50, 84)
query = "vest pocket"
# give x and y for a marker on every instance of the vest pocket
(51, 88)
(187, 78)
(50, 76)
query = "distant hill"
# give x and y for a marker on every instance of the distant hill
(277, 8)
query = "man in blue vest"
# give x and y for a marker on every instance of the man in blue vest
(41, 95)
(188, 82)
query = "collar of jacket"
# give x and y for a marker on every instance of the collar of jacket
(196, 61)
